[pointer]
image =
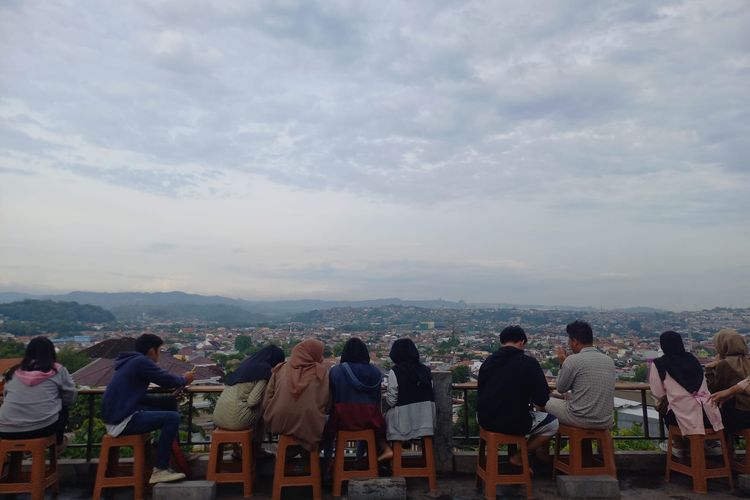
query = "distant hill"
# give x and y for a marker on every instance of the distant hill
(31, 317)
(224, 314)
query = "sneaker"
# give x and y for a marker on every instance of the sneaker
(165, 476)
(713, 448)
(676, 452)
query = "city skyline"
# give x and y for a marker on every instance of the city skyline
(554, 153)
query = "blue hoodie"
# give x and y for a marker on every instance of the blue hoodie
(355, 390)
(133, 374)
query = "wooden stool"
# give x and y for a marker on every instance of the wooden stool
(232, 472)
(111, 474)
(312, 473)
(580, 440)
(340, 473)
(741, 466)
(488, 463)
(699, 469)
(405, 467)
(40, 477)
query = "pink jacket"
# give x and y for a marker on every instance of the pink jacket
(686, 406)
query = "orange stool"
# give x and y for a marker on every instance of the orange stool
(40, 477)
(111, 474)
(698, 468)
(580, 440)
(340, 472)
(232, 472)
(282, 479)
(406, 467)
(741, 466)
(488, 463)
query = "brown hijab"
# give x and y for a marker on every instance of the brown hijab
(731, 347)
(305, 364)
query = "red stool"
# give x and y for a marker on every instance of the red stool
(340, 472)
(40, 477)
(111, 474)
(282, 479)
(405, 466)
(488, 463)
(578, 462)
(232, 472)
(698, 468)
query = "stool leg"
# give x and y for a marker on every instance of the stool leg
(490, 474)
(101, 470)
(698, 464)
(526, 468)
(53, 467)
(247, 467)
(315, 473)
(429, 461)
(278, 475)
(37, 474)
(480, 455)
(608, 454)
(372, 454)
(139, 456)
(338, 467)
(727, 461)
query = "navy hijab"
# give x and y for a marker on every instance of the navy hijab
(680, 364)
(256, 367)
(405, 356)
(355, 351)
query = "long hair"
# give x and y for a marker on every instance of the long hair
(39, 356)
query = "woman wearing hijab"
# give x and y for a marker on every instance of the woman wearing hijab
(731, 367)
(297, 398)
(239, 406)
(355, 392)
(679, 375)
(409, 395)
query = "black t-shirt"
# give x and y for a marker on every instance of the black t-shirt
(508, 382)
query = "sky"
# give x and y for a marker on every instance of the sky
(536, 152)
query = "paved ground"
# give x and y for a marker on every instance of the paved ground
(462, 488)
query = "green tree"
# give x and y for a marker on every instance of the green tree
(243, 343)
(460, 374)
(71, 359)
(11, 349)
(641, 373)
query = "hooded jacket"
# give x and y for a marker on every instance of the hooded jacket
(33, 399)
(133, 374)
(509, 381)
(355, 391)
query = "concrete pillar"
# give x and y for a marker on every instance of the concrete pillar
(443, 440)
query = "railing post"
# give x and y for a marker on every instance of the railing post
(90, 430)
(466, 415)
(644, 406)
(444, 421)
(190, 419)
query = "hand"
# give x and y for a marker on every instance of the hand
(561, 354)
(189, 377)
(718, 398)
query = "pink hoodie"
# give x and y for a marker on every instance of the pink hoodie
(32, 378)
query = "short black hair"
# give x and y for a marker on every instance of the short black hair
(148, 341)
(581, 331)
(513, 333)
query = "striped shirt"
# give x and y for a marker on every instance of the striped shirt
(590, 378)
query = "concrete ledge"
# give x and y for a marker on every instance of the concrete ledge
(590, 487)
(380, 488)
(185, 490)
(743, 483)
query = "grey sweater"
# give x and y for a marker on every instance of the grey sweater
(30, 407)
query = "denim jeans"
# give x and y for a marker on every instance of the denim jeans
(147, 420)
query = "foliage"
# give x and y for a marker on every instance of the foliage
(71, 359)
(33, 317)
(633, 444)
(458, 426)
(11, 349)
(243, 343)
(460, 374)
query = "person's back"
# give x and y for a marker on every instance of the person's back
(236, 407)
(297, 397)
(509, 381)
(590, 377)
(409, 395)
(355, 393)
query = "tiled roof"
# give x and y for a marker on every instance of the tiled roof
(110, 348)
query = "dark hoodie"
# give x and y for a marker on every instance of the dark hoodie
(355, 391)
(508, 382)
(133, 374)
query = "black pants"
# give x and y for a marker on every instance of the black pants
(733, 418)
(57, 428)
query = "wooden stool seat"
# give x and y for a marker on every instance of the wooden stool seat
(340, 472)
(111, 474)
(698, 468)
(40, 477)
(488, 463)
(404, 466)
(282, 477)
(580, 458)
(232, 472)
(739, 465)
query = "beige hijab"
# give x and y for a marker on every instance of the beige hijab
(305, 364)
(731, 347)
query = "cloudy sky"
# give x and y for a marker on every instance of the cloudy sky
(582, 153)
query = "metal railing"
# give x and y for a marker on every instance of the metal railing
(466, 437)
